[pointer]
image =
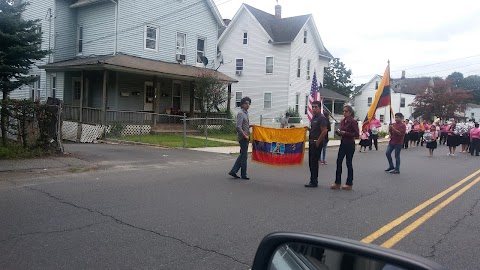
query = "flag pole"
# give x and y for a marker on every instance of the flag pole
(390, 90)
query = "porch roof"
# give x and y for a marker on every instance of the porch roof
(327, 93)
(128, 63)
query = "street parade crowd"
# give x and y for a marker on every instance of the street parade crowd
(403, 134)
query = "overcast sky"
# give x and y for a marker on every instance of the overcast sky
(422, 37)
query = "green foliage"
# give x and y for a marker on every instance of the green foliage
(470, 84)
(175, 141)
(19, 47)
(337, 78)
(210, 91)
(17, 151)
(116, 129)
(294, 116)
(382, 134)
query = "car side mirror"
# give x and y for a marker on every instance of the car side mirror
(287, 251)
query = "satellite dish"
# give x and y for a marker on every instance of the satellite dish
(205, 61)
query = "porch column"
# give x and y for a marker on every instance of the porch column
(229, 96)
(333, 107)
(80, 119)
(192, 97)
(155, 107)
(104, 103)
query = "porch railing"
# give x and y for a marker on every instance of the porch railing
(95, 116)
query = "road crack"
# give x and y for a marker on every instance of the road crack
(457, 223)
(121, 222)
(364, 195)
(50, 232)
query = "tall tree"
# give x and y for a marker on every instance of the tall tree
(337, 78)
(472, 83)
(19, 48)
(455, 78)
(210, 91)
(442, 100)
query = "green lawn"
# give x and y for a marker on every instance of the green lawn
(18, 152)
(230, 137)
(174, 141)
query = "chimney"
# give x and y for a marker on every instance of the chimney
(278, 11)
(403, 74)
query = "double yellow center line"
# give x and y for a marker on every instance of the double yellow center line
(415, 224)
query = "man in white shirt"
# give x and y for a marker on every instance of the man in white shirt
(407, 133)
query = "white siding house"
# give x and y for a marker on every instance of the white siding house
(473, 112)
(124, 55)
(273, 59)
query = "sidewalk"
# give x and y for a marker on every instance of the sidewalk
(236, 150)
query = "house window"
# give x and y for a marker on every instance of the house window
(200, 50)
(177, 96)
(54, 86)
(151, 38)
(369, 101)
(402, 102)
(77, 89)
(305, 36)
(238, 64)
(376, 85)
(269, 65)
(238, 98)
(297, 102)
(267, 100)
(306, 104)
(181, 39)
(35, 94)
(245, 38)
(308, 69)
(382, 118)
(299, 66)
(80, 39)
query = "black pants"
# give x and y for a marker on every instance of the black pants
(420, 138)
(405, 141)
(374, 138)
(443, 138)
(475, 147)
(313, 158)
(345, 150)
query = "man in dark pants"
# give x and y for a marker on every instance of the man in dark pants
(348, 131)
(397, 134)
(316, 137)
(243, 137)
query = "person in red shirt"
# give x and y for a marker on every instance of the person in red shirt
(348, 131)
(397, 133)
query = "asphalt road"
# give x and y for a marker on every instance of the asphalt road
(153, 208)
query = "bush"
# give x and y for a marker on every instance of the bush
(382, 134)
(294, 116)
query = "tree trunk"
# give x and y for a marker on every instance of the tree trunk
(4, 119)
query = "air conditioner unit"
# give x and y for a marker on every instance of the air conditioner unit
(238, 72)
(180, 57)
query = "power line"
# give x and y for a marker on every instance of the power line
(415, 67)
(446, 69)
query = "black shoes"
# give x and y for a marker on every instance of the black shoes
(245, 178)
(395, 172)
(389, 169)
(234, 175)
(311, 185)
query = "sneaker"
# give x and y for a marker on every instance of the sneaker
(389, 169)
(311, 185)
(234, 175)
(325, 163)
(322, 162)
(395, 172)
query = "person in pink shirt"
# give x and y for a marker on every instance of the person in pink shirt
(432, 141)
(414, 139)
(475, 140)
(364, 140)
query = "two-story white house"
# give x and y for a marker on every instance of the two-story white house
(111, 55)
(473, 112)
(403, 92)
(273, 59)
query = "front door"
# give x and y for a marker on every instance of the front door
(149, 96)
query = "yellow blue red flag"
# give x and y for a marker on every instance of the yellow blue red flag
(382, 97)
(281, 147)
